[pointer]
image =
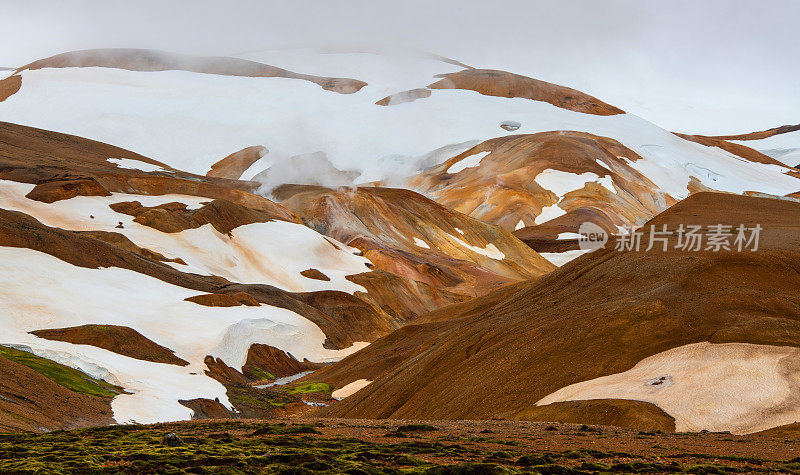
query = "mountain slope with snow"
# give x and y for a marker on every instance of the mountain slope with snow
(707, 337)
(296, 205)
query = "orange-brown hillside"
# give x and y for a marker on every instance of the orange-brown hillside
(503, 188)
(496, 356)
(492, 82)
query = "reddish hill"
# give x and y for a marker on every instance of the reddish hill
(413, 237)
(602, 314)
(491, 82)
(503, 187)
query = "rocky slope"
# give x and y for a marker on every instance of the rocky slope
(684, 331)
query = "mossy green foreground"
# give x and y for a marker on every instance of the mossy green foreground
(241, 447)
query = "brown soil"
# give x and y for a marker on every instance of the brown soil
(64, 189)
(31, 155)
(598, 315)
(223, 215)
(224, 300)
(248, 400)
(207, 409)
(737, 149)
(235, 164)
(491, 82)
(30, 401)
(405, 96)
(152, 60)
(121, 340)
(274, 361)
(10, 86)
(544, 237)
(763, 134)
(607, 412)
(382, 223)
(401, 297)
(122, 242)
(315, 274)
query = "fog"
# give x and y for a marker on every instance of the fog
(695, 66)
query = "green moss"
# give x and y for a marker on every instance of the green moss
(260, 447)
(309, 388)
(65, 376)
(258, 374)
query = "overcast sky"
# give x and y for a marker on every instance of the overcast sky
(697, 66)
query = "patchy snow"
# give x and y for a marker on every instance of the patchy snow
(350, 389)
(271, 253)
(40, 291)
(419, 242)
(560, 258)
(604, 165)
(490, 250)
(467, 162)
(548, 213)
(607, 182)
(562, 236)
(159, 115)
(561, 183)
(704, 386)
(135, 165)
(460, 231)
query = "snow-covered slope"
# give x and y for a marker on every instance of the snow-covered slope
(93, 235)
(272, 253)
(39, 291)
(191, 120)
(421, 122)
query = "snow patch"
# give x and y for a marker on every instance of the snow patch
(419, 242)
(561, 183)
(271, 253)
(135, 165)
(548, 213)
(350, 389)
(490, 251)
(558, 259)
(705, 386)
(467, 162)
(562, 236)
(40, 291)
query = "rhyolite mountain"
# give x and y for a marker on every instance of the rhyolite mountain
(177, 231)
